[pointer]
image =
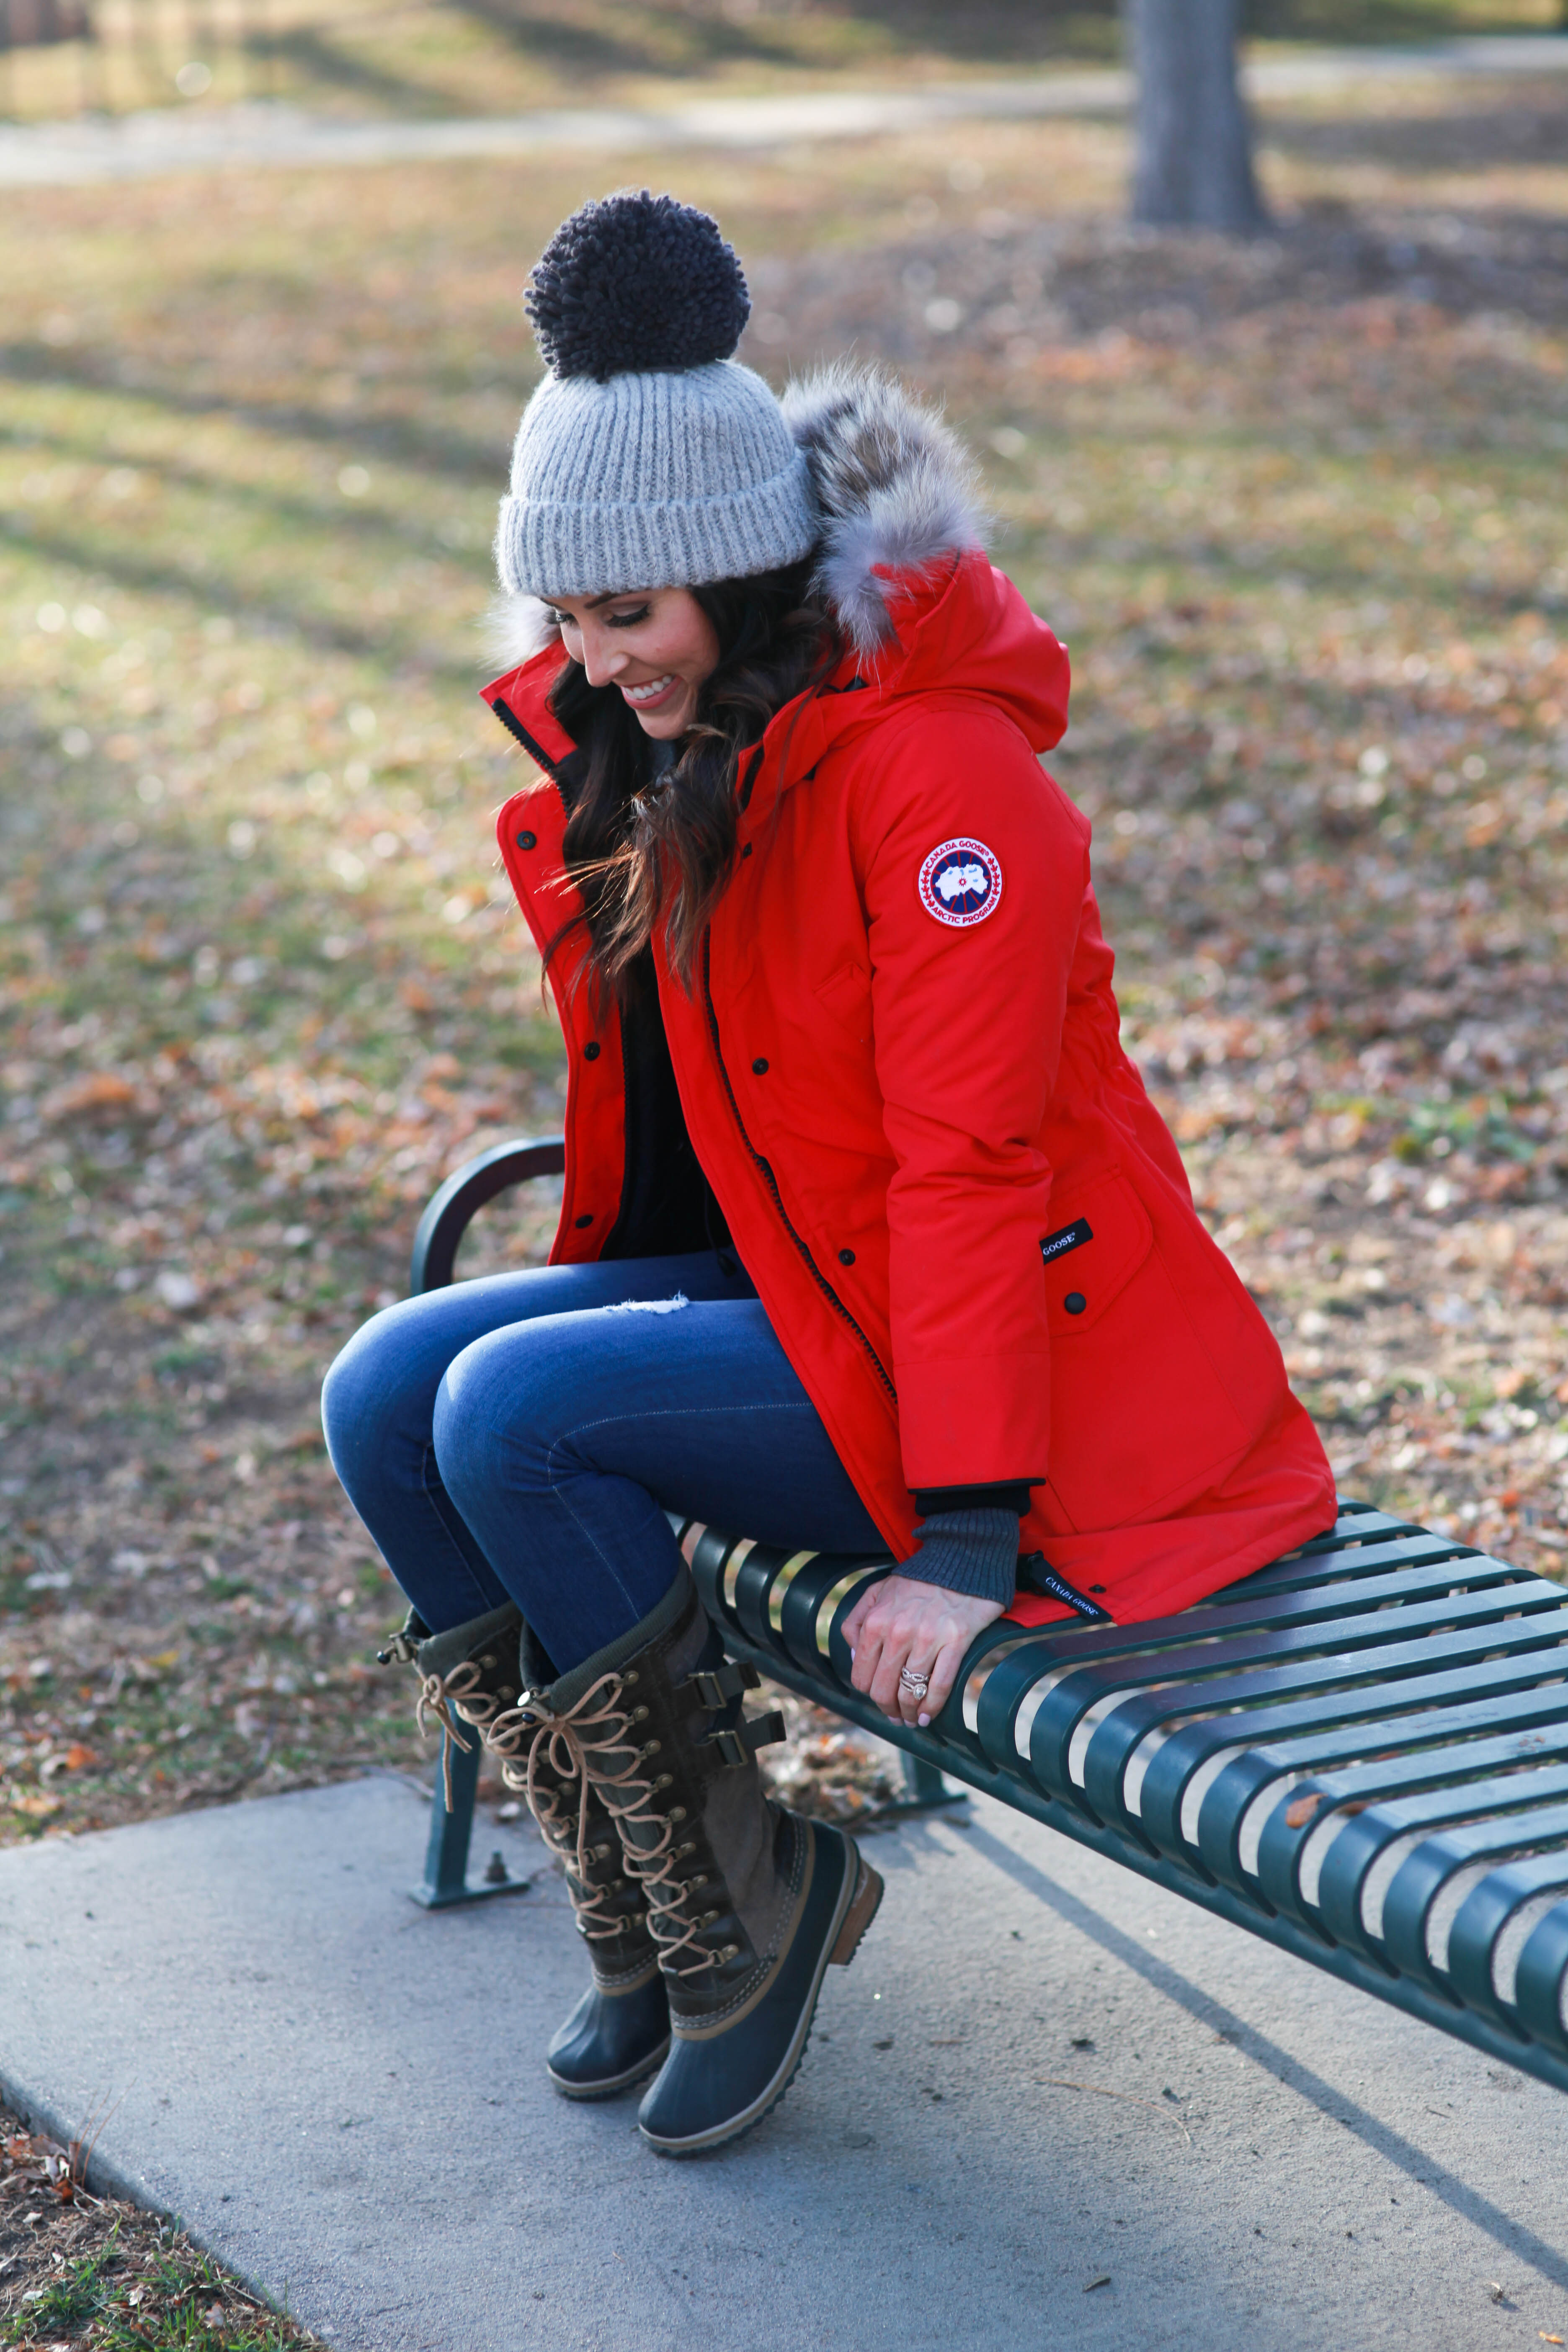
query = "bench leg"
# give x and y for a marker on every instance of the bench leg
(445, 1880)
(924, 1787)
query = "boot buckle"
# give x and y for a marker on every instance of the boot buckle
(741, 1744)
(717, 1687)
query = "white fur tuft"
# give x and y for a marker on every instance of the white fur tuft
(517, 627)
(896, 489)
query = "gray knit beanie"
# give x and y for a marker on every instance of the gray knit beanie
(648, 457)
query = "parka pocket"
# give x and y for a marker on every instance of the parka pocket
(1140, 1420)
(1091, 1256)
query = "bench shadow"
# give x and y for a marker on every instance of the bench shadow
(1546, 2260)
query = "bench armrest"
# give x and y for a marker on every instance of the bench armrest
(448, 1212)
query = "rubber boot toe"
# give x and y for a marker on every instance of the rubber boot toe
(610, 2042)
(716, 2085)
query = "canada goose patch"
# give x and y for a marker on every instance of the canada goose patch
(961, 883)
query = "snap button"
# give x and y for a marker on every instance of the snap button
(592, 1050)
(528, 841)
(761, 1065)
(845, 1257)
(747, 850)
(1075, 1302)
(581, 1221)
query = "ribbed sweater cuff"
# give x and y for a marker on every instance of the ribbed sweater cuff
(975, 1552)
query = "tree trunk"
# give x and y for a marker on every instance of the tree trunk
(1193, 166)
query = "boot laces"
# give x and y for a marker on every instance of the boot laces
(530, 1741)
(438, 1695)
(589, 1741)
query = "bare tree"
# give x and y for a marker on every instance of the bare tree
(1193, 166)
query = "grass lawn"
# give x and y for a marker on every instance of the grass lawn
(1296, 508)
(430, 57)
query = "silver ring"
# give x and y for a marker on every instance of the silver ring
(916, 1685)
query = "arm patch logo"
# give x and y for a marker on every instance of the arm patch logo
(961, 883)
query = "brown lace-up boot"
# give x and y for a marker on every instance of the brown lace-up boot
(747, 1903)
(619, 2031)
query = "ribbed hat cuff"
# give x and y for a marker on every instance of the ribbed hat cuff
(545, 548)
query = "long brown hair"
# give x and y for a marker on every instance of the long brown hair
(641, 848)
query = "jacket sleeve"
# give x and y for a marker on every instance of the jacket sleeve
(968, 1031)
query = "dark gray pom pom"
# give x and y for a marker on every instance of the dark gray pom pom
(636, 283)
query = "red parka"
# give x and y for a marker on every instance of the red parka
(901, 1072)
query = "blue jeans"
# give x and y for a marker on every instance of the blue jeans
(522, 1437)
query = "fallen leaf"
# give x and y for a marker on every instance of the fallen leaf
(1298, 1814)
(100, 1090)
(77, 1759)
(1104, 2280)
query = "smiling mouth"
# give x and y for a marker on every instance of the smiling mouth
(654, 691)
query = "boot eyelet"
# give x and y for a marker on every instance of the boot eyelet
(707, 1918)
(663, 1782)
(729, 1952)
(650, 1747)
(628, 1680)
(639, 1714)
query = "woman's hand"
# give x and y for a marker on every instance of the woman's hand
(902, 1623)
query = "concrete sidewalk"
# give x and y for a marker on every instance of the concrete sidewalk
(342, 2094)
(272, 136)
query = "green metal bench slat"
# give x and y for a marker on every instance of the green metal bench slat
(1114, 1776)
(1304, 1736)
(1407, 1642)
(1319, 1571)
(1426, 1604)
(1108, 1765)
(1479, 1926)
(1387, 1612)
(1455, 1773)
(1184, 1773)
(1540, 2056)
(1539, 1978)
(997, 1680)
(1357, 1844)
(1423, 1875)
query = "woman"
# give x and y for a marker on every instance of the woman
(871, 1239)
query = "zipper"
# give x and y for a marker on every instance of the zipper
(772, 1182)
(515, 728)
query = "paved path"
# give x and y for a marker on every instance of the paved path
(342, 2096)
(276, 137)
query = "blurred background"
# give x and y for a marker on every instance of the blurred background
(1294, 498)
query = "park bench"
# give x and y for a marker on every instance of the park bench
(1359, 1753)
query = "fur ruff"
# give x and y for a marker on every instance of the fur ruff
(896, 489)
(515, 629)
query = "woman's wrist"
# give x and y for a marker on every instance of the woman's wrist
(974, 1552)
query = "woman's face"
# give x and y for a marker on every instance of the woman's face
(656, 646)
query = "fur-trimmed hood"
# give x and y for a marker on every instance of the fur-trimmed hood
(896, 490)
